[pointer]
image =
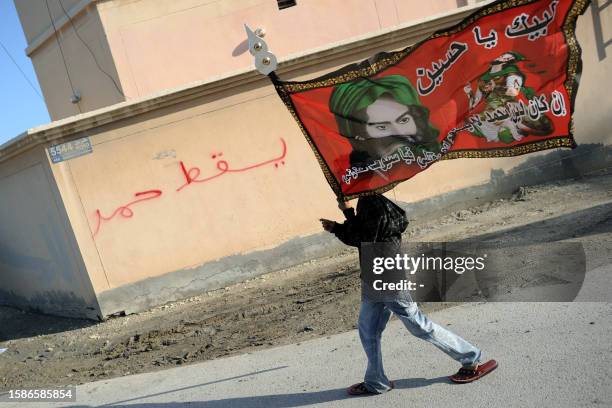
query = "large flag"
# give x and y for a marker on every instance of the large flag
(502, 82)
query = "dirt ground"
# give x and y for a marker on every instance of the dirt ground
(319, 298)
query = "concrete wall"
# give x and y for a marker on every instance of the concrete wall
(40, 266)
(243, 223)
(158, 45)
(145, 240)
(147, 46)
(236, 213)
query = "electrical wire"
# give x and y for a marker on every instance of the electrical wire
(61, 51)
(20, 70)
(93, 56)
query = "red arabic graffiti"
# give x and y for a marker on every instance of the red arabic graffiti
(191, 175)
(125, 211)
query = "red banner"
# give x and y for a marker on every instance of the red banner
(500, 83)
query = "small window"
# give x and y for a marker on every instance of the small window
(283, 4)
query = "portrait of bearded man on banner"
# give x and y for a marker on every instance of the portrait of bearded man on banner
(379, 116)
(499, 87)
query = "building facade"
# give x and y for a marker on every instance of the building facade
(93, 53)
(122, 226)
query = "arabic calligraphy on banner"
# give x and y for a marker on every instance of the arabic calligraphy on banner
(500, 83)
(436, 74)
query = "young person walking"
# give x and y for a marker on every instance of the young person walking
(378, 220)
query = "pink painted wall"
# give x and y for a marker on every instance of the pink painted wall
(157, 45)
(147, 46)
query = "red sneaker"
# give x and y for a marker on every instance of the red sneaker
(466, 375)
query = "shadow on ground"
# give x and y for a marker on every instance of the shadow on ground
(37, 324)
(277, 401)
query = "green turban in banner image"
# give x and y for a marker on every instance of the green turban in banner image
(352, 97)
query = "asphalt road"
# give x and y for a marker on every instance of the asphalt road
(550, 355)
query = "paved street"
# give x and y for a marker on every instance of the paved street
(550, 355)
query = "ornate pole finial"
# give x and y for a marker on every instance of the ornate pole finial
(265, 61)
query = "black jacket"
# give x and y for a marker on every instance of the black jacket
(378, 219)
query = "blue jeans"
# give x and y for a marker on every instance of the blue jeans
(373, 318)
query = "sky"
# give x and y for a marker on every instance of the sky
(20, 106)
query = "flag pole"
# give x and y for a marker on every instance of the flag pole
(265, 62)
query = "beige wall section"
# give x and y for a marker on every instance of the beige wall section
(244, 211)
(594, 102)
(240, 211)
(80, 69)
(40, 267)
(62, 174)
(149, 45)
(158, 45)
